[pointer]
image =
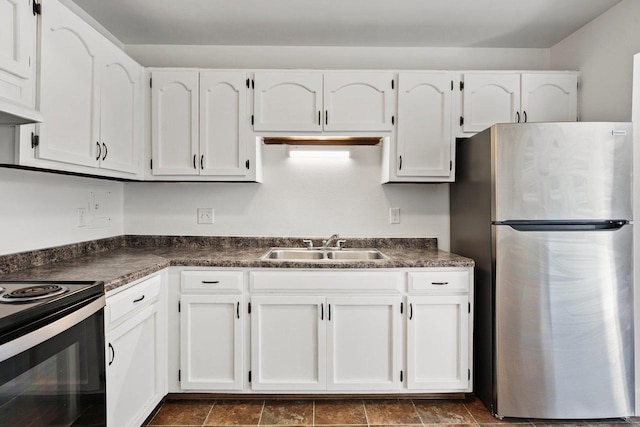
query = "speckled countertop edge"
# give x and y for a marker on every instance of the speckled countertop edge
(139, 256)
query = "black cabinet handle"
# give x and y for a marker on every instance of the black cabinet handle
(247, 164)
(326, 117)
(400, 168)
(525, 116)
(210, 281)
(329, 317)
(410, 311)
(238, 310)
(105, 151)
(322, 311)
(202, 162)
(113, 354)
(194, 161)
(99, 150)
(518, 116)
(139, 299)
(319, 117)
(440, 283)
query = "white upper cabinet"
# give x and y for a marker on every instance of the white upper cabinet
(358, 101)
(489, 99)
(287, 101)
(548, 97)
(424, 135)
(120, 112)
(174, 119)
(200, 125)
(224, 132)
(90, 96)
(313, 101)
(17, 61)
(69, 88)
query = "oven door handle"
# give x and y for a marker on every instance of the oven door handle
(40, 335)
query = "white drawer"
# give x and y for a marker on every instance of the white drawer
(210, 281)
(325, 281)
(128, 301)
(439, 281)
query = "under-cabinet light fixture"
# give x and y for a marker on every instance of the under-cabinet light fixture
(305, 152)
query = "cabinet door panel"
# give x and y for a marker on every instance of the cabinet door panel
(119, 117)
(223, 123)
(68, 72)
(437, 343)
(211, 342)
(363, 343)
(174, 118)
(15, 37)
(288, 343)
(548, 97)
(489, 99)
(133, 385)
(358, 101)
(287, 101)
(424, 124)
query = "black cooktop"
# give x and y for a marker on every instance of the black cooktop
(51, 299)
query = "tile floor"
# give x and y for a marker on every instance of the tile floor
(451, 413)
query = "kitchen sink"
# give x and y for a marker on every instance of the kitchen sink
(298, 254)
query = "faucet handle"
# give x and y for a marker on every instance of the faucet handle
(309, 243)
(340, 242)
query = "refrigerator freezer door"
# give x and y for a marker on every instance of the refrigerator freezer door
(562, 171)
(564, 323)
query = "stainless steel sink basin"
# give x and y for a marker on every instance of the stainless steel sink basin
(298, 254)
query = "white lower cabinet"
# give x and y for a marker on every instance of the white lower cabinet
(363, 343)
(288, 343)
(135, 348)
(211, 353)
(437, 342)
(322, 331)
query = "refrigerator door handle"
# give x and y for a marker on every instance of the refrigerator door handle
(565, 226)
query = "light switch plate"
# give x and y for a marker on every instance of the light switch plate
(394, 215)
(205, 215)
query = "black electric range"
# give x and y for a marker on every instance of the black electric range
(27, 305)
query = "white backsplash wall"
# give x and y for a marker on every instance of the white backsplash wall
(39, 210)
(298, 197)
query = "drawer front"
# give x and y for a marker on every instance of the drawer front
(210, 281)
(125, 303)
(439, 281)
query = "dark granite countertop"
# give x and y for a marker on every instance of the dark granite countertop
(139, 257)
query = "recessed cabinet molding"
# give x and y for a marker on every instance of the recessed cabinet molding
(200, 127)
(100, 124)
(316, 101)
(17, 62)
(517, 97)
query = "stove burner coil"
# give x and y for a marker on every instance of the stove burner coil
(33, 293)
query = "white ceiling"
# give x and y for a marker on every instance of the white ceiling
(410, 23)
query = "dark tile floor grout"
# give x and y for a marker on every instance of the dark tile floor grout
(469, 412)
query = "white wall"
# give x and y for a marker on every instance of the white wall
(329, 57)
(299, 197)
(603, 52)
(39, 210)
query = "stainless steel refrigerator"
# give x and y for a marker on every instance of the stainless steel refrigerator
(545, 210)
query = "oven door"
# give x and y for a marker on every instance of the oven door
(55, 374)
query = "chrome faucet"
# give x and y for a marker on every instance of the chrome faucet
(325, 243)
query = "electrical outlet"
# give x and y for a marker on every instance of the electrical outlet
(81, 217)
(394, 215)
(205, 215)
